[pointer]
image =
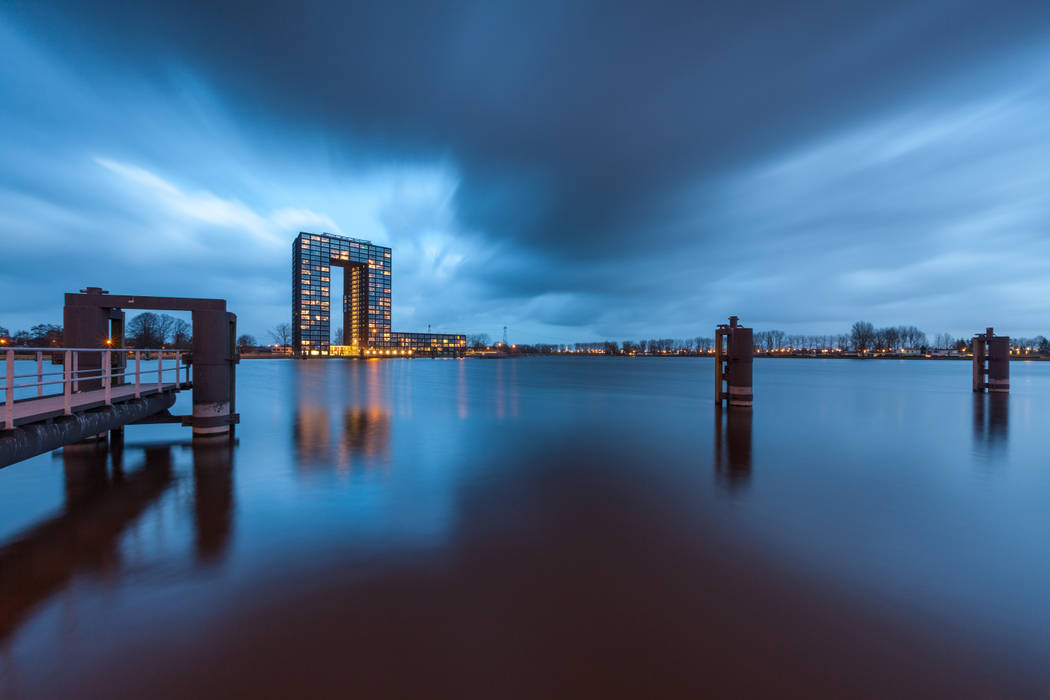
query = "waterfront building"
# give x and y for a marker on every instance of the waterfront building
(364, 305)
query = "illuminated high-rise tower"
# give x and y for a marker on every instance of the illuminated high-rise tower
(365, 305)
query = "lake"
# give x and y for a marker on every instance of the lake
(546, 527)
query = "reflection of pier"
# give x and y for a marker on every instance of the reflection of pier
(733, 446)
(102, 501)
(991, 413)
(100, 506)
(212, 496)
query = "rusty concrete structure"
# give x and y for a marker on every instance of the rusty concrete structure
(101, 392)
(734, 356)
(991, 362)
(95, 319)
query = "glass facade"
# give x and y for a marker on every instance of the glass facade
(365, 306)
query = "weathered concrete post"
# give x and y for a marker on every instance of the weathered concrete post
(214, 355)
(89, 323)
(991, 362)
(734, 357)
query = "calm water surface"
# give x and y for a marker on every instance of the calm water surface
(551, 527)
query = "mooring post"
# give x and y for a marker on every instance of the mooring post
(991, 362)
(719, 360)
(214, 355)
(734, 357)
(979, 370)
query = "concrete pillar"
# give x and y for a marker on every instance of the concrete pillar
(991, 362)
(86, 327)
(734, 357)
(214, 354)
(741, 359)
(980, 352)
(998, 364)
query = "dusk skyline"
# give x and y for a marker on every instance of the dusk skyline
(574, 172)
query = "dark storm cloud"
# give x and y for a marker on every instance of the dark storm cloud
(597, 110)
(594, 141)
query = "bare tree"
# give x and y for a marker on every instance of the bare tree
(181, 334)
(165, 327)
(144, 331)
(862, 335)
(246, 341)
(889, 338)
(150, 330)
(41, 335)
(478, 340)
(282, 334)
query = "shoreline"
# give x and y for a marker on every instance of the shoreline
(763, 356)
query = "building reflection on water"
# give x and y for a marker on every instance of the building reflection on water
(328, 433)
(360, 433)
(733, 447)
(103, 501)
(991, 414)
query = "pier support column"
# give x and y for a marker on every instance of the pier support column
(734, 357)
(991, 362)
(214, 355)
(86, 327)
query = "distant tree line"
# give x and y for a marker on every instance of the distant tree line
(147, 330)
(863, 337)
(39, 336)
(150, 330)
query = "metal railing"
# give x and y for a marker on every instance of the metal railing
(104, 368)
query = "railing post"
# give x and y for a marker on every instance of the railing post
(39, 373)
(9, 391)
(67, 383)
(107, 375)
(160, 369)
(138, 373)
(178, 368)
(76, 371)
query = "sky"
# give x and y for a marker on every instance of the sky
(574, 171)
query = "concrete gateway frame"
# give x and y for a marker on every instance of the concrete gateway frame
(94, 318)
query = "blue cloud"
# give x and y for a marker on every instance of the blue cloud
(576, 174)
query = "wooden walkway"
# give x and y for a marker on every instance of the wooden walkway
(39, 408)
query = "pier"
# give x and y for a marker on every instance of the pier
(103, 387)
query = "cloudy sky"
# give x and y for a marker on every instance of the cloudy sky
(572, 170)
